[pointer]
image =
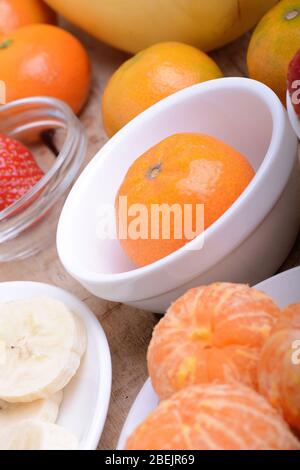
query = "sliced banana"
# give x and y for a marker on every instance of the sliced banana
(34, 434)
(45, 410)
(41, 344)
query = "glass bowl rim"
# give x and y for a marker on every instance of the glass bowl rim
(62, 156)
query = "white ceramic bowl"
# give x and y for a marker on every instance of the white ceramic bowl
(283, 288)
(86, 398)
(247, 244)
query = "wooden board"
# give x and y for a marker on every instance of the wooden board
(128, 330)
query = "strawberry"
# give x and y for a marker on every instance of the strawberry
(18, 171)
(294, 82)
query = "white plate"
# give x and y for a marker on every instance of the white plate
(283, 288)
(86, 398)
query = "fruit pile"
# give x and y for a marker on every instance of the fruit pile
(165, 68)
(223, 364)
(39, 58)
(222, 360)
(41, 346)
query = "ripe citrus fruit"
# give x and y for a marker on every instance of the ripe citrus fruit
(41, 59)
(17, 13)
(274, 44)
(133, 25)
(183, 169)
(212, 333)
(279, 366)
(214, 417)
(150, 76)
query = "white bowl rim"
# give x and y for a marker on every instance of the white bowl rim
(103, 356)
(280, 121)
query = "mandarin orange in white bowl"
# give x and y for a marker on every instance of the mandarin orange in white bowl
(184, 171)
(246, 244)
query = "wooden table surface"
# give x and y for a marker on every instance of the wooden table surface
(128, 330)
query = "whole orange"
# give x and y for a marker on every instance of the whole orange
(211, 334)
(214, 417)
(41, 59)
(17, 13)
(183, 171)
(274, 44)
(150, 76)
(279, 366)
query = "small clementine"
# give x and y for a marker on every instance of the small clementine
(214, 417)
(17, 13)
(274, 44)
(279, 366)
(212, 333)
(150, 76)
(42, 59)
(184, 170)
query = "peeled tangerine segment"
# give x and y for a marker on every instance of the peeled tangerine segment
(46, 410)
(279, 366)
(214, 417)
(211, 333)
(34, 434)
(41, 345)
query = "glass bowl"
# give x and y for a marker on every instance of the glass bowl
(58, 141)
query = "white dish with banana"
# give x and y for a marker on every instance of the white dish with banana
(55, 370)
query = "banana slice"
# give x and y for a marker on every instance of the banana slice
(41, 344)
(44, 410)
(33, 434)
